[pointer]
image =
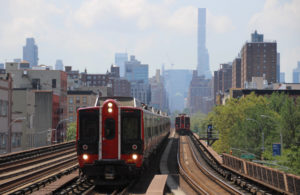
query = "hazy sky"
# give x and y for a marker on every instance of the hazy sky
(87, 33)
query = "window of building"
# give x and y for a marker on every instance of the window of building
(3, 141)
(4, 108)
(36, 84)
(70, 100)
(71, 118)
(71, 109)
(0, 107)
(53, 83)
(77, 100)
(84, 99)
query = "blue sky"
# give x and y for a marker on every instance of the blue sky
(86, 34)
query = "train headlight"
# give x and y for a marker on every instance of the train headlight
(134, 156)
(85, 157)
(110, 105)
(110, 110)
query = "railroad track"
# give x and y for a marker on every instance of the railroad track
(18, 174)
(200, 178)
(10, 158)
(85, 187)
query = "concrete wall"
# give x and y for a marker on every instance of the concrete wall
(42, 120)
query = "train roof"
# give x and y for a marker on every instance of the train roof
(129, 101)
(182, 114)
(123, 101)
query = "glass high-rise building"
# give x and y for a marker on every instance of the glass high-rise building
(135, 71)
(30, 52)
(138, 76)
(120, 59)
(296, 74)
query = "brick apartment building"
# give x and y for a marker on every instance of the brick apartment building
(79, 99)
(236, 73)
(258, 59)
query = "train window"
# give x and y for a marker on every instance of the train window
(177, 120)
(130, 128)
(88, 124)
(149, 131)
(187, 120)
(110, 128)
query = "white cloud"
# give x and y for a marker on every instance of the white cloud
(184, 20)
(280, 21)
(219, 24)
(102, 27)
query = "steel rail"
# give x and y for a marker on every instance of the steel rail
(32, 153)
(185, 175)
(209, 174)
(39, 159)
(14, 183)
(40, 183)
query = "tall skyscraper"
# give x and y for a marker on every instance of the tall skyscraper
(30, 52)
(296, 74)
(203, 57)
(59, 65)
(120, 59)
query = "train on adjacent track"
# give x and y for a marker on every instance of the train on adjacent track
(182, 124)
(117, 138)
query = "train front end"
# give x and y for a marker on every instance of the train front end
(110, 152)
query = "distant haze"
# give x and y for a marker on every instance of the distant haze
(87, 34)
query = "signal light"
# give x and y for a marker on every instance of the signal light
(134, 156)
(110, 110)
(110, 104)
(85, 157)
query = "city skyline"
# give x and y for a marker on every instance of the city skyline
(87, 34)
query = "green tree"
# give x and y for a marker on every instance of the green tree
(196, 122)
(242, 121)
(71, 131)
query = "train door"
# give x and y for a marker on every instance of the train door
(182, 122)
(187, 122)
(110, 135)
(177, 123)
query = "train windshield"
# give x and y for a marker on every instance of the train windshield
(131, 126)
(177, 121)
(187, 120)
(88, 125)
